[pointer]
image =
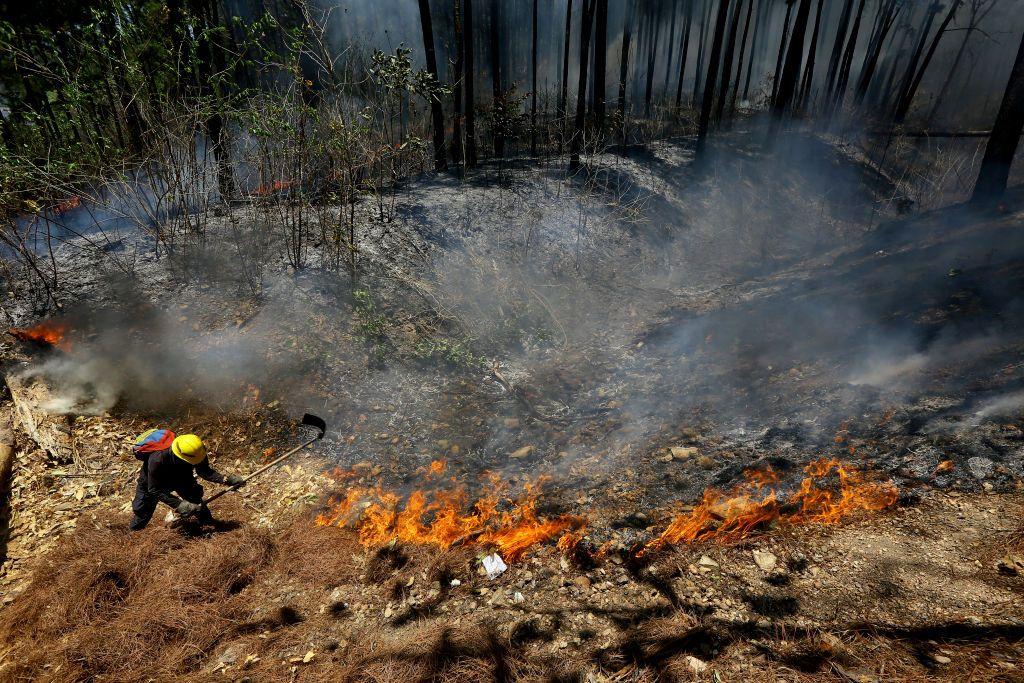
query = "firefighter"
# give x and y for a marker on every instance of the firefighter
(169, 466)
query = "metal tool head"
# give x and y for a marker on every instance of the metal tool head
(311, 420)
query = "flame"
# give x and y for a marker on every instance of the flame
(437, 467)
(444, 518)
(267, 189)
(68, 204)
(50, 333)
(755, 503)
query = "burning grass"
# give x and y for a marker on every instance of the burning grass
(445, 518)
(759, 501)
(47, 333)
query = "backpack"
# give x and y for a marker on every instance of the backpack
(152, 441)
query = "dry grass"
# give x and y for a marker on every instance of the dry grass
(138, 607)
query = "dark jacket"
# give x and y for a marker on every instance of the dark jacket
(166, 473)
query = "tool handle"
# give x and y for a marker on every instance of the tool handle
(260, 471)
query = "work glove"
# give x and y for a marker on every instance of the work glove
(234, 480)
(186, 508)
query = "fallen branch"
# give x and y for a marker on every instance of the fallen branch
(47, 437)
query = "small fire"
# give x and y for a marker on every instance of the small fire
(757, 502)
(49, 333)
(267, 189)
(445, 518)
(437, 467)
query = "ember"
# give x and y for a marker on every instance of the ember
(445, 518)
(48, 333)
(756, 503)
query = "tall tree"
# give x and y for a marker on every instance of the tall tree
(762, 12)
(627, 36)
(730, 51)
(652, 56)
(671, 43)
(496, 83)
(467, 50)
(701, 40)
(564, 94)
(576, 144)
(436, 113)
(1002, 144)
(888, 11)
(739, 62)
(782, 49)
(457, 148)
(978, 10)
(908, 96)
(600, 61)
(915, 57)
(533, 79)
(837, 49)
(712, 77)
(794, 56)
(812, 52)
(683, 53)
(843, 77)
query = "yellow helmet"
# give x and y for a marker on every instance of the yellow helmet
(189, 448)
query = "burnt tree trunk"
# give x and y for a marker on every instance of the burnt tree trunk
(627, 36)
(576, 144)
(436, 113)
(915, 58)
(652, 57)
(496, 86)
(684, 52)
(533, 79)
(671, 44)
(908, 98)
(564, 95)
(1002, 145)
(457, 149)
(843, 78)
(701, 39)
(837, 49)
(467, 47)
(761, 13)
(739, 62)
(888, 12)
(730, 51)
(794, 56)
(812, 52)
(782, 50)
(709, 90)
(600, 61)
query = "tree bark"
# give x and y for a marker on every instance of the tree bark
(782, 50)
(671, 44)
(837, 49)
(436, 113)
(761, 13)
(467, 47)
(812, 51)
(908, 98)
(564, 95)
(533, 78)
(652, 57)
(683, 53)
(794, 57)
(627, 36)
(581, 93)
(457, 147)
(888, 11)
(709, 89)
(730, 51)
(600, 62)
(915, 58)
(701, 39)
(1002, 146)
(844, 68)
(496, 84)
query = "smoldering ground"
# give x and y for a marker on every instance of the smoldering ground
(754, 299)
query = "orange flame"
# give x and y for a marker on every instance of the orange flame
(437, 467)
(267, 189)
(754, 504)
(50, 333)
(443, 519)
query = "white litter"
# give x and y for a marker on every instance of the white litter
(494, 566)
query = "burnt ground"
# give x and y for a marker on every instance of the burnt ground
(766, 312)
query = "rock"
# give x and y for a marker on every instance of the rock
(941, 659)
(228, 657)
(980, 467)
(706, 561)
(665, 458)
(706, 461)
(455, 583)
(696, 665)
(765, 560)
(511, 422)
(521, 452)
(683, 452)
(1010, 564)
(582, 582)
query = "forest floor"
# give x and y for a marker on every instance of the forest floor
(608, 348)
